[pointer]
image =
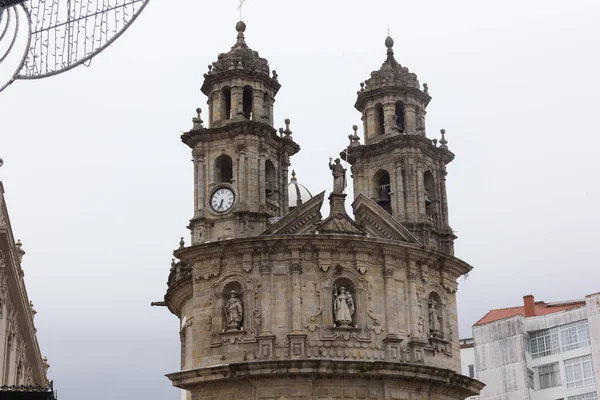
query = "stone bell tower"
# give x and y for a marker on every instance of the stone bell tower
(307, 307)
(398, 166)
(240, 161)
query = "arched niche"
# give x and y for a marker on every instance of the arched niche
(223, 169)
(433, 292)
(245, 289)
(358, 287)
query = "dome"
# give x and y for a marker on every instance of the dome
(240, 59)
(297, 193)
(391, 73)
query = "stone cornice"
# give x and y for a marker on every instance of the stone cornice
(445, 379)
(398, 142)
(379, 93)
(399, 249)
(241, 127)
(18, 293)
(178, 293)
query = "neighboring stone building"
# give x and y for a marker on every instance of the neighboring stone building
(22, 368)
(539, 351)
(277, 303)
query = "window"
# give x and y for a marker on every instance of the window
(471, 371)
(584, 396)
(530, 381)
(544, 343)
(549, 375)
(579, 371)
(574, 336)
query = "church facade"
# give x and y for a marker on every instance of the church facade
(290, 304)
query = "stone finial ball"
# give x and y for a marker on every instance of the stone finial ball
(389, 42)
(354, 127)
(240, 26)
(198, 110)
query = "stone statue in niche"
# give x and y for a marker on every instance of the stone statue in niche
(343, 307)
(339, 176)
(434, 319)
(234, 310)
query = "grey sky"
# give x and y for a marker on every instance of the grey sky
(99, 186)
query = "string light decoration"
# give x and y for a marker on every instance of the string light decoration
(62, 34)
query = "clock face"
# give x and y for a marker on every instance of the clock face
(222, 200)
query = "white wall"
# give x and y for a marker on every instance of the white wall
(500, 359)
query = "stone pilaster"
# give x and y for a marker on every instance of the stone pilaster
(413, 307)
(410, 119)
(391, 307)
(296, 270)
(265, 295)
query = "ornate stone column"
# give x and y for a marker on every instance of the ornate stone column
(410, 119)
(266, 337)
(283, 189)
(420, 189)
(261, 176)
(391, 308)
(443, 196)
(399, 206)
(237, 103)
(389, 110)
(242, 178)
(216, 112)
(199, 180)
(413, 307)
(296, 270)
(258, 108)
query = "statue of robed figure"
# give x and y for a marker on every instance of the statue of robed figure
(343, 307)
(434, 319)
(234, 310)
(339, 176)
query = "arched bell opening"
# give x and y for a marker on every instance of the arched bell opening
(270, 180)
(400, 116)
(247, 96)
(223, 169)
(267, 106)
(226, 103)
(379, 120)
(430, 195)
(382, 190)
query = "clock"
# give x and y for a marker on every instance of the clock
(222, 199)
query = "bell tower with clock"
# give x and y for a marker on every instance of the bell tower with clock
(240, 161)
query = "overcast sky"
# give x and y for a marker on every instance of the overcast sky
(99, 186)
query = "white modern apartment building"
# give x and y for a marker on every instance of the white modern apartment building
(538, 351)
(467, 360)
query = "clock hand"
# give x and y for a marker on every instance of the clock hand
(221, 204)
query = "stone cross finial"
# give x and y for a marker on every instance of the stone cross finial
(197, 120)
(354, 138)
(287, 131)
(443, 141)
